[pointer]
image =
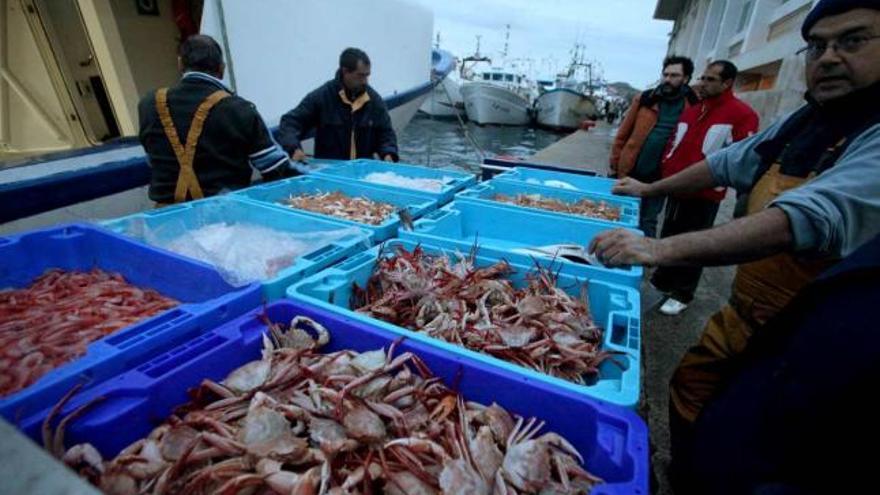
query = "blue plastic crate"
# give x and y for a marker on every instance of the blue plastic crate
(504, 232)
(205, 302)
(359, 169)
(612, 440)
(417, 204)
(580, 182)
(616, 308)
(485, 191)
(188, 216)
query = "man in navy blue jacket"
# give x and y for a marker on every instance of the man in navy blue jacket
(349, 118)
(797, 415)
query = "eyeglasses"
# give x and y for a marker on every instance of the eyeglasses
(845, 44)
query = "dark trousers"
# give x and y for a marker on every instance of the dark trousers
(651, 207)
(648, 215)
(683, 215)
(681, 433)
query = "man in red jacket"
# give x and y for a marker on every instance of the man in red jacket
(717, 121)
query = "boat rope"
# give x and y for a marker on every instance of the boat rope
(464, 127)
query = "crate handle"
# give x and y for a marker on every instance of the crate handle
(322, 253)
(182, 355)
(624, 332)
(166, 209)
(436, 216)
(154, 326)
(354, 261)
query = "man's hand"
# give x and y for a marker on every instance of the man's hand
(298, 156)
(621, 247)
(628, 186)
(389, 158)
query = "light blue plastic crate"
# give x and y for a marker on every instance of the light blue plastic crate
(550, 178)
(504, 232)
(614, 307)
(206, 301)
(485, 191)
(272, 193)
(177, 219)
(359, 169)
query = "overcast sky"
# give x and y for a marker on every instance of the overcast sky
(621, 35)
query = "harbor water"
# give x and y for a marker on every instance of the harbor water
(443, 142)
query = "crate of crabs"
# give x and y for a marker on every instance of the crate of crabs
(618, 211)
(526, 319)
(292, 398)
(439, 183)
(377, 209)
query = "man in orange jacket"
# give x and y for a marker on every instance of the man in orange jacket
(641, 139)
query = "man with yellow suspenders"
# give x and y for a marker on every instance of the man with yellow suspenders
(814, 182)
(225, 137)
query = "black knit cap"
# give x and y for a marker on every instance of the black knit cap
(826, 8)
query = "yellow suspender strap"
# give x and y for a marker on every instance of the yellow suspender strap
(187, 182)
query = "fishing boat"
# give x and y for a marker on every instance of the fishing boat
(502, 94)
(445, 100)
(569, 102)
(77, 69)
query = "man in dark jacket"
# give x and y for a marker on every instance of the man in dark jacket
(349, 118)
(796, 417)
(200, 138)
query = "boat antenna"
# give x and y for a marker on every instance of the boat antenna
(506, 40)
(437, 43)
(477, 53)
(590, 77)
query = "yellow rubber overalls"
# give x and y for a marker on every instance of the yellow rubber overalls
(188, 186)
(760, 289)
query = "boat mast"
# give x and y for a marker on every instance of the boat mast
(476, 57)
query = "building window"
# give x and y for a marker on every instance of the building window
(788, 23)
(745, 16)
(735, 49)
(761, 78)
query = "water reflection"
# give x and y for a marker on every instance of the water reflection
(442, 143)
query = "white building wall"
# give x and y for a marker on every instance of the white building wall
(749, 48)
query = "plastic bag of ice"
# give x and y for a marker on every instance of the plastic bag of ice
(241, 252)
(418, 183)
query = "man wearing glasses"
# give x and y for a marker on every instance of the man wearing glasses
(814, 183)
(718, 120)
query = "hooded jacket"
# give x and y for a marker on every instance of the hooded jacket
(344, 129)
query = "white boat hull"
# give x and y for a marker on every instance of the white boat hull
(402, 73)
(399, 58)
(489, 104)
(563, 109)
(445, 100)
